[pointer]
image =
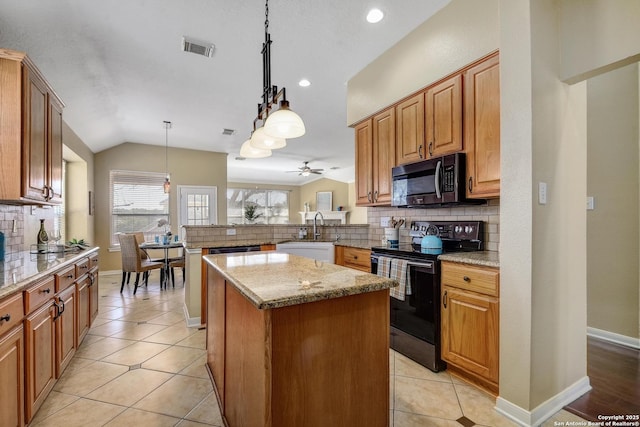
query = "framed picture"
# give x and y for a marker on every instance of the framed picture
(324, 201)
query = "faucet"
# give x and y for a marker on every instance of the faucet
(315, 225)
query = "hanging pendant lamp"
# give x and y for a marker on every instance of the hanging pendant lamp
(167, 181)
(250, 152)
(278, 125)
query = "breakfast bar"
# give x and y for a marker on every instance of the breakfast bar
(297, 342)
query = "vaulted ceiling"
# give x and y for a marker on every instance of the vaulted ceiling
(119, 68)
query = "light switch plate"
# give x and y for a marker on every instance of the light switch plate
(590, 203)
(231, 231)
(384, 221)
(542, 193)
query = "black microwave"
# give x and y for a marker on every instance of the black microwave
(430, 183)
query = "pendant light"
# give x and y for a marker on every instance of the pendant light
(167, 182)
(282, 123)
(250, 152)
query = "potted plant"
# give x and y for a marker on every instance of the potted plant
(251, 213)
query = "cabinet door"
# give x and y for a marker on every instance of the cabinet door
(35, 160)
(470, 332)
(443, 117)
(482, 128)
(384, 155)
(55, 151)
(66, 329)
(40, 352)
(93, 295)
(410, 130)
(12, 378)
(84, 314)
(364, 165)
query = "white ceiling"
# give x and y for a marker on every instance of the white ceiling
(119, 68)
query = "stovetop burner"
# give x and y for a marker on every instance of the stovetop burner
(457, 236)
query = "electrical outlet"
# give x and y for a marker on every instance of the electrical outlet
(590, 203)
(14, 228)
(385, 221)
(231, 231)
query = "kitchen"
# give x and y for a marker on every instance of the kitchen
(533, 238)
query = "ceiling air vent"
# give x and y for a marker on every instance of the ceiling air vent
(226, 131)
(197, 47)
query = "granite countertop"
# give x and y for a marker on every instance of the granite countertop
(21, 269)
(272, 279)
(483, 258)
(363, 244)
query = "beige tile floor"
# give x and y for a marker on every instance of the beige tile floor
(141, 366)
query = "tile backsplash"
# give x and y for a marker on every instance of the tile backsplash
(489, 213)
(27, 225)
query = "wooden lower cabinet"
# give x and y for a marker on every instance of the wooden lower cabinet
(84, 308)
(470, 323)
(12, 378)
(357, 258)
(40, 357)
(66, 329)
(93, 295)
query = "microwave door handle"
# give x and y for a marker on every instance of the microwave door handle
(438, 192)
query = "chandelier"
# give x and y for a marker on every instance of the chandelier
(278, 125)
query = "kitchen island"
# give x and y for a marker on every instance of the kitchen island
(296, 342)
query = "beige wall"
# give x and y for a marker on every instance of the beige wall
(357, 215)
(294, 196)
(588, 30)
(187, 167)
(458, 34)
(339, 190)
(613, 234)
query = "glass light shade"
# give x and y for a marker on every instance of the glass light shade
(250, 152)
(284, 123)
(167, 185)
(260, 139)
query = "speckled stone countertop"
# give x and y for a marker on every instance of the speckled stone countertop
(271, 279)
(483, 258)
(22, 269)
(363, 244)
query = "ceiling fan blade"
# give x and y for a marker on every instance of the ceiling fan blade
(316, 172)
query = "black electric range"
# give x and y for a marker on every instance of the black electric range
(415, 321)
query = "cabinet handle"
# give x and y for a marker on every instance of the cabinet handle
(84, 266)
(375, 196)
(70, 276)
(420, 151)
(369, 196)
(45, 192)
(466, 279)
(431, 149)
(46, 291)
(6, 318)
(470, 184)
(444, 299)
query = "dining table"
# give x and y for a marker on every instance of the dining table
(165, 246)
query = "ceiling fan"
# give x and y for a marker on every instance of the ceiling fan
(306, 170)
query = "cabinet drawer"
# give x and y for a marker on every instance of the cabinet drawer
(38, 294)
(357, 258)
(82, 267)
(11, 312)
(93, 261)
(65, 278)
(484, 280)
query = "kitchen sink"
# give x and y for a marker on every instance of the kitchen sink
(320, 251)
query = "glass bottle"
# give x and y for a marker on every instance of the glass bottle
(42, 238)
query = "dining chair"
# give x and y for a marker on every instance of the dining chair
(177, 263)
(132, 261)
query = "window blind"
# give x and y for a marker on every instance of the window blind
(138, 203)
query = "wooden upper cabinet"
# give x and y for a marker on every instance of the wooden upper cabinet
(364, 165)
(410, 130)
(384, 155)
(443, 117)
(31, 133)
(482, 128)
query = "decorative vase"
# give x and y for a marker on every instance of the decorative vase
(42, 238)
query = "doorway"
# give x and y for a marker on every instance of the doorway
(197, 206)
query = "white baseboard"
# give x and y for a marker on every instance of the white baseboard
(545, 410)
(192, 322)
(614, 338)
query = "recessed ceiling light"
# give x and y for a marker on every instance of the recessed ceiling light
(304, 83)
(374, 16)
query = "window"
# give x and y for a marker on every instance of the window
(246, 206)
(198, 205)
(59, 214)
(138, 203)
